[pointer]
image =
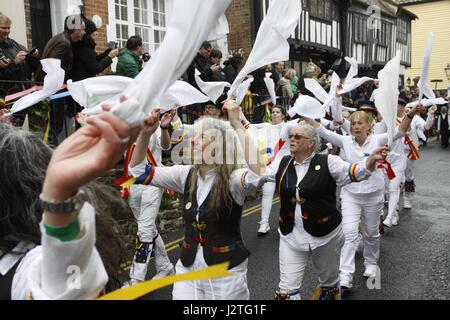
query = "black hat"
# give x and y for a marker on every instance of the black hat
(90, 27)
(368, 106)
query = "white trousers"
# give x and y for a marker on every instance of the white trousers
(395, 187)
(268, 190)
(227, 288)
(145, 201)
(325, 262)
(355, 207)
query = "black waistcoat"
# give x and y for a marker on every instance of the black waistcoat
(218, 231)
(317, 192)
(444, 123)
(6, 282)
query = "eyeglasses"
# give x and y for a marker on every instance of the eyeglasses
(297, 137)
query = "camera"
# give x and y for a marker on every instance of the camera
(146, 57)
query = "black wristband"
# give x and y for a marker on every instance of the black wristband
(164, 128)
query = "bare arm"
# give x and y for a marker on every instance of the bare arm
(250, 150)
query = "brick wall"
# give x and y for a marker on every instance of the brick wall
(28, 23)
(239, 20)
(100, 8)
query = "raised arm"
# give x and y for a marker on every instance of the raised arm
(333, 137)
(68, 238)
(255, 162)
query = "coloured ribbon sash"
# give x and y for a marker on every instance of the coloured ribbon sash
(384, 164)
(413, 149)
(126, 180)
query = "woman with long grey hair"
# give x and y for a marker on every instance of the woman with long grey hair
(214, 189)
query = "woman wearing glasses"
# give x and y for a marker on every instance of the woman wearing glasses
(310, 224)
(364, 198)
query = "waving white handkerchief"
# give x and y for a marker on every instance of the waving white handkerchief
(351, 83)
(242, 90)
(271, 41)
(308, 107)
(213, 89)
(424, 87)
(94, 91)
(386, 96)
(180, 93)
(53, 81)
(185, 34)
(270, 85)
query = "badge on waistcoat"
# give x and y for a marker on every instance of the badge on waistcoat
(188, 205)
(318, 167)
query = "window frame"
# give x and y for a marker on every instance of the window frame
(136, 25)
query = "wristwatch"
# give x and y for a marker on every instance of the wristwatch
(72, 204)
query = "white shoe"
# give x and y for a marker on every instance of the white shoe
(164, 273)
(345, 285)
(263, 229)
(395, 220)
(407, 203)
(371, 271)
(388, 221)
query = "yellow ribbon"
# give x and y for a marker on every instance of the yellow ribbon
(143, 288)
(47, 130)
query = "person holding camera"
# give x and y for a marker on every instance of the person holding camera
(130, 63)
(16, 62)
(86, 62)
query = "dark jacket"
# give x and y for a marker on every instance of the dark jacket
(59, 47)
(201, 64)
(129, 64)
(21, 72)
(230, 70)
(86, 62)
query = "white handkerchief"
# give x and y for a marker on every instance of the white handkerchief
(316, 89)
(271, 41)
(424, 87)
(308, 107)
(180, 93)
(386, 96)
(242, 90)
(189, 25)
(53, 81)
(94, 91)
(270, 87)
(212, 89)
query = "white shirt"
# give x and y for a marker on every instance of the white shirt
(242, 181)
(45, 271)
(417, 123)
(299, 239)
(357, 154)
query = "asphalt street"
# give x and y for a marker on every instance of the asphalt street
(415, 255)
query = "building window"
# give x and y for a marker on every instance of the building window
(360, 28)
(159, 19)
(321, 9)
(384, 34)
(402, 31)
(145, 18)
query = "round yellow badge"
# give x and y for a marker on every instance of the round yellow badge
(188, 205)
(317, 168)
